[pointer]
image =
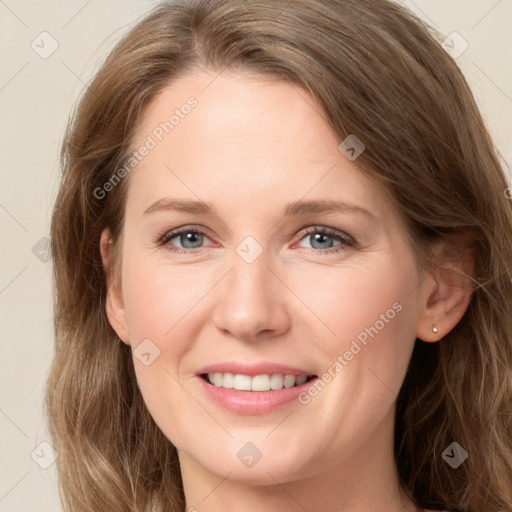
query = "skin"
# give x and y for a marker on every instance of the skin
(249, 148)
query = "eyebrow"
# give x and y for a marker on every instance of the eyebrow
(297, 208)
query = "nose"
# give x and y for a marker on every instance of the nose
(252, 302)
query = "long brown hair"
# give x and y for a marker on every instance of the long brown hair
(378, 72)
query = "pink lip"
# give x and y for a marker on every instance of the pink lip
(253, 369)
(252, 402)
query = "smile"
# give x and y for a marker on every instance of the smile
(265, 382)
(253, 395)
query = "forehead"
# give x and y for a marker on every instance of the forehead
(238, 135)
(237, 106)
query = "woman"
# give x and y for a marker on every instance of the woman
(248, 371)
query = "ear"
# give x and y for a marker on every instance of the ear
(446, 294)
(114, 303)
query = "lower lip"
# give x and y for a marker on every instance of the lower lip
(252, 402)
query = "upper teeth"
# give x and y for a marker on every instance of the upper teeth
(256, 383)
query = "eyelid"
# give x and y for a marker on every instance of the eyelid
(335, 233)
(167, 235)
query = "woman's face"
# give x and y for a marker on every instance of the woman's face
(267, 281)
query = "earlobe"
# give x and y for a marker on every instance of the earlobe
(114, 299)
(447, 297)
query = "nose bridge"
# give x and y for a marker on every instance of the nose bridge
(250, 301)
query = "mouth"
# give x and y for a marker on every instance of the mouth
(257, 394)
(257, 383)
(254, 388)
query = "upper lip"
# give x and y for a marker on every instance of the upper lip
(253, 369)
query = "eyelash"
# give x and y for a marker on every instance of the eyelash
(345, 240)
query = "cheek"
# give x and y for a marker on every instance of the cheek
(370, 313)
(158, 297)
(338, 305)
(159, 304)
(359, 303)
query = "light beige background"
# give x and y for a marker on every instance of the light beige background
(36, 96)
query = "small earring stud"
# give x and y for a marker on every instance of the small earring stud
(434, 328)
